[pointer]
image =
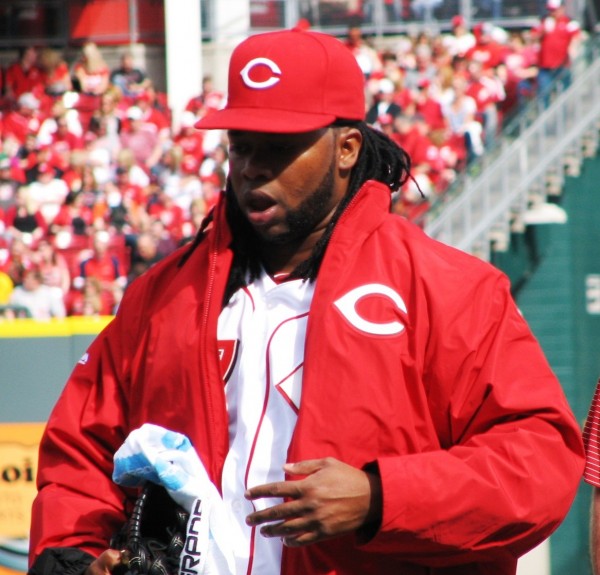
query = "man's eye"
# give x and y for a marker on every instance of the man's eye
(238, 149)
(282, 148)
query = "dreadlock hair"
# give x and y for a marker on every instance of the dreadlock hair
(379, 159)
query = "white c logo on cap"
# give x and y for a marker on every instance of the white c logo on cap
(245, 73)
(347, 306)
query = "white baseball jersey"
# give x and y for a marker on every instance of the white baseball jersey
(261, 336)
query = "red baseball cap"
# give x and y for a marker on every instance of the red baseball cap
(457, 20)
(290, 81)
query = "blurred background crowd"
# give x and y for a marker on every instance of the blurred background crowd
(97, 184)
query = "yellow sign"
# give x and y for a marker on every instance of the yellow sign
(19, 443)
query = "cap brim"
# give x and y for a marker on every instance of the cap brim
(260, 120)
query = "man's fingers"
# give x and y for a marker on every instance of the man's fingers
(105, 563)
(282, 489)
(326, 498)
(276, 513)
(306, 467)
(288, 489)
(296, 532)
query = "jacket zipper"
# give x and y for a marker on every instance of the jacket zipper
(213, 256)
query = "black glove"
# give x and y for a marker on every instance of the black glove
(152, 539)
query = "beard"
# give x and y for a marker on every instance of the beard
(312, 210)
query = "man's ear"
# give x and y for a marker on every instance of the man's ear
(350, 142)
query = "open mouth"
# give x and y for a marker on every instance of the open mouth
(259, 202)
(260, 208)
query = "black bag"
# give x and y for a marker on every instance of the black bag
(152, 539)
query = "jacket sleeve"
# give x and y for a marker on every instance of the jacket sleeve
(510, 457)
(61, 561)
(78, 505)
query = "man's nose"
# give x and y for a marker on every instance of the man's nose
(257, 165)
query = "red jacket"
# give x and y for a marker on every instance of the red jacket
(479, 454)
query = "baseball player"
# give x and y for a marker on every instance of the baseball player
(365, 399)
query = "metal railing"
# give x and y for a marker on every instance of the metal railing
(385, 17)
(537, 150)
(58, 22)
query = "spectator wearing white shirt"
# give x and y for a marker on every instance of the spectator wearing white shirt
(42, 301)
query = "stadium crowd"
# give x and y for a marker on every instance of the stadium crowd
(96, 186)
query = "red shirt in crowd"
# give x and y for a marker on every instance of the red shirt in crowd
(18, 125)
(19, 80)
(556, 34)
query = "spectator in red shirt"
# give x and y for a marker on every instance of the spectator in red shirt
(165, 210)
(423, 149)
(521, 71)
(105, 267)
(487, 51)
(487, 90)
(24, 120)
(26, 157)
(73, 217)
(90, 300)
(55, 72)
(152, 117)
(558, 38)
(64, 142)
(24, 221)
(24, 75)
(188, 138)
(49, 125)
(428, 106)
(211, 187)
(208, 99)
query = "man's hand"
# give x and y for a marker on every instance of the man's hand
(105, 563)
(329, 499)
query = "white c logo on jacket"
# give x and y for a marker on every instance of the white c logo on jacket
(245, 73)
(347, 306)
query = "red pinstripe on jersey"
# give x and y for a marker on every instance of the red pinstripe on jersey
(591, 440)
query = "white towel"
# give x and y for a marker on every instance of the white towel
(167, 458)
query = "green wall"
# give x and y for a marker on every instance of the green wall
(555, 271)
(36, 359)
